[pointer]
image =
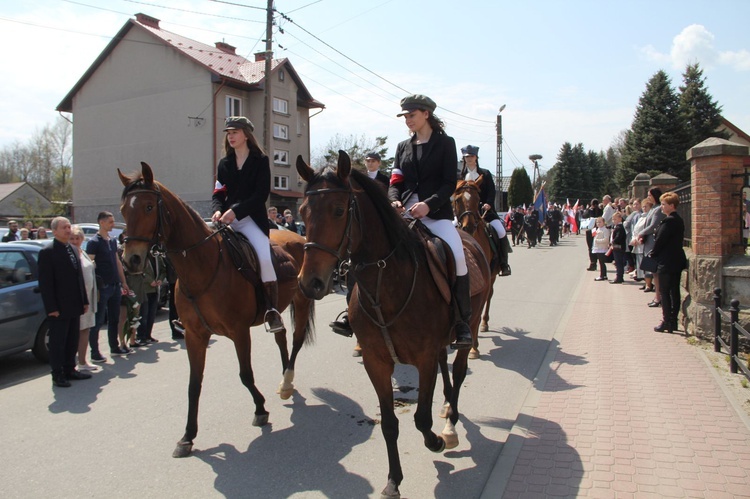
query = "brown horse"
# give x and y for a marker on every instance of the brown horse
(396, 309)
(466, 204)
(212, 296)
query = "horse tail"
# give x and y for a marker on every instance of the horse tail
(309, 331)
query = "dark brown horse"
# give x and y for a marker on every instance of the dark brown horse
(211, 295)
(466, 205)
(396, 309)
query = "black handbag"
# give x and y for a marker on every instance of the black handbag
(649, 264)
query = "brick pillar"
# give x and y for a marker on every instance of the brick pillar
(716, 225)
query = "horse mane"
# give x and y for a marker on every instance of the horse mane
(399, 235)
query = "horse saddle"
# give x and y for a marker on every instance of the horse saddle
(442, 264)
(245, 259)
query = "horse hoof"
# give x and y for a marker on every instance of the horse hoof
(260, 419)
(390, 491)
(484, 327)
(451, 440)
(446, 411)
(183, 449)
(474, 354)
(285, 393)
(440, 447)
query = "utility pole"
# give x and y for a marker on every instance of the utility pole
(267, 99)
(499, 201)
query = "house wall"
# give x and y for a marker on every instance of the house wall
(136, 107)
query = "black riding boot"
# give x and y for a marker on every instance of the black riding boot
(503, 247)
(341, 324)
(463, 300)
(272, 317)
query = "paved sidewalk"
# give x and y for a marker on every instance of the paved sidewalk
(622, 411)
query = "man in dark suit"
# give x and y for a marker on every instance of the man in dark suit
(64, 296)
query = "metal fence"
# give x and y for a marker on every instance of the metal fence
(684, 209)
(735, 330)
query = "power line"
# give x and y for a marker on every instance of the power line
(194, 11)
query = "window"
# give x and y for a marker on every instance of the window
(14, 268)
(281, 75)
(280, 131)
(281, 182)
(281, 157)
(234, 106)
(280, 106)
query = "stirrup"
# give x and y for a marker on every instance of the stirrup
(341, 325)
(278, 324)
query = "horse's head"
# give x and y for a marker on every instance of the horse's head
(466, 204)
(141, 209)
(326, 212)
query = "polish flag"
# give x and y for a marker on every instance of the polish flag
(570, 217)
(397, 176)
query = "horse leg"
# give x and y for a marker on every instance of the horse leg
(380, 374)
(460, 366)
(447, 388)
(485, 325)
(423, 417)
(242, 347)
(196, 345)
(301, 310)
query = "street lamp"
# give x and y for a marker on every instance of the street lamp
(499, 201)
(535, 158)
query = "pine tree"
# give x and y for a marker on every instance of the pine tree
(657, 139)
(700, 113)
(519, 190)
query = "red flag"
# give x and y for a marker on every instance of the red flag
(570, 217)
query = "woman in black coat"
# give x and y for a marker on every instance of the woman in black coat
(671, 260)
(422, 183)
(243, 183)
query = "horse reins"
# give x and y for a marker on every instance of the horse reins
(157, 247)
(380, 263)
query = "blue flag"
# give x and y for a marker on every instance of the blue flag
(540, 205)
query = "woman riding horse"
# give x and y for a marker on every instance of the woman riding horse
(422, 182)
(243, 183)
(472, 171)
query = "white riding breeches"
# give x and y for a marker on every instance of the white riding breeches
(261, 244)
(499, 227)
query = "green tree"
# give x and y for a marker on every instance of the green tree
(700, 113)
(657, 138)
(356, 147)
(520, 190)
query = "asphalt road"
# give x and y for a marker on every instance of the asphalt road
(113, 435)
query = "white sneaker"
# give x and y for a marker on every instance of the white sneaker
(89, 367)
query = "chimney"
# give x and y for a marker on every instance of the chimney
(149, 21)
(225, 47)
(260, 56)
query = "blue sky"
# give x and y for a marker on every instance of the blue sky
(566, 70)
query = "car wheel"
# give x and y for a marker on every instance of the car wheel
(41, 344)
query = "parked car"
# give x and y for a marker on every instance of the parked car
(23, 321)
(90, 229)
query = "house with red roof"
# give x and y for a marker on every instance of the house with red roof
(159, 97)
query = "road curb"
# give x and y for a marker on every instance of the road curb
(503, 467)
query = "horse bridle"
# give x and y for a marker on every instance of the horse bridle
(346, 239)
(379, 319)
(468, 213)
(156, 240)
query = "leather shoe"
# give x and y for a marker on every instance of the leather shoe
(664, 326)
(176, 335)
(654, 304)
(616, 281)
(591, 267)
(600, 278)
(60, 381)
(76, 375)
